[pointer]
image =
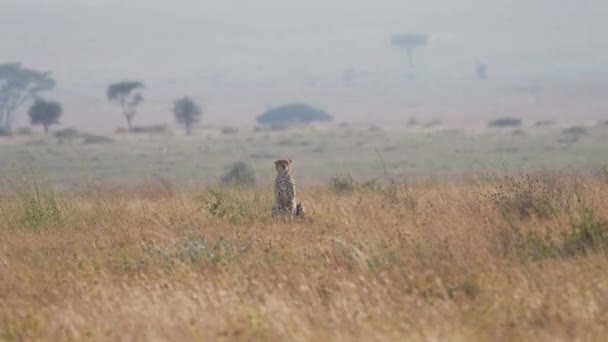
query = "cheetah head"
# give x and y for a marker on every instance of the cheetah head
(283, 165)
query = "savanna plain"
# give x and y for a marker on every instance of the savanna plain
(412, 234)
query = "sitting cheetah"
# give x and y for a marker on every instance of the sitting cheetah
(285, 192)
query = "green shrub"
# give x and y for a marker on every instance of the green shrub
(240, 174)
(587, 236)
(346, 184)
(537, 247)
(37, 204)
(524, 197)
(234, 208)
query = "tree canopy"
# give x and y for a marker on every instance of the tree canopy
(293, 114)
(17, 86)
(187, 113)
(126, 94)
(45, 113)
(409, 41)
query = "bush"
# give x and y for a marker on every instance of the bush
(543, 123)
(24, 131)
(505, 122)
(346, 184)
(374, 128)
(432, 123)
(38, 204)
(575, 131)
(234, 207)
(588, 236)
(339, 184)
(240, 174)
(524, 197)
(66, 133)
(293, 114)
(96, 139)
(152, 129)
(230, 130)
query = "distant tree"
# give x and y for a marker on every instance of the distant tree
(45, 113)
(187, 113)
(293, 114)
(409, 41)
(126, 94)
(17, 86)
(481, 71)
(348, 78)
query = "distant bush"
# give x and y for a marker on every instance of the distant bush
(346, 184)
(96, 139)
(152, 129)
(342, 184)
(374, 128)
(24, 131)
(432, 123)
(230, 130)
(239, 173)
(293, 114)
(4, 132)
(543, 123)
(66, 133)
(519, 132)
(270, 128)
(505, 122)
(575, 130)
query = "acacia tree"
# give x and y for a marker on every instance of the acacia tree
(127, 95)
(409, 41)
(45, 113)
(187, 113)
(17, 86)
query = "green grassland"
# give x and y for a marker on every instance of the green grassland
(319, 152)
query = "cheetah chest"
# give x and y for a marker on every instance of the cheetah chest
(285, 191)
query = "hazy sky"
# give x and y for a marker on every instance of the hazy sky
(218, 49)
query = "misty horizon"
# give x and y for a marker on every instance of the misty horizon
(239, 59)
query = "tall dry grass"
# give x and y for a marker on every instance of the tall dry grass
(481, 258)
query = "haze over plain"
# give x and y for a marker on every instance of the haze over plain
(240, 57)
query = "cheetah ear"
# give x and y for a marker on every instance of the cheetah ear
(290, 161)
(276, 162)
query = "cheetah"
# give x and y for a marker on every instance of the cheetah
(285, 192)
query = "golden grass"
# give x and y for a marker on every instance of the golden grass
(460, 259)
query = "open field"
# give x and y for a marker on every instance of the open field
(474, 258)
(365, 152)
